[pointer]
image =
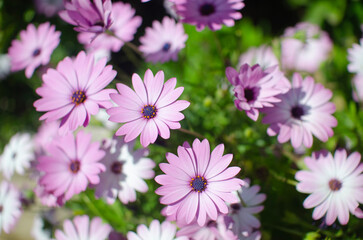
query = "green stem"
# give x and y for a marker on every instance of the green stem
(191, 133)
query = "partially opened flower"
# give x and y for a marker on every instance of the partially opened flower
(34, 48)
(10, 206)
(151, 110)
(355, 57)
(163, 41)
(304, 111)
(262, 55)
(197, 183)
(335, 185)
(82, 228)
(75, 91)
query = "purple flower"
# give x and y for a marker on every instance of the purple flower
(34, 48)
(151, 110)
(211, 13)
(335, 184)
(10, 206)
(163, 41)
(197, 183)
(304, 111)
(263, 56)
(75, 91)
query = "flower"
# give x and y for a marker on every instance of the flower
(88, 15)
(125, 171)
(75, 91)
(256, 88)
(163, 41)
(10, 206)
(242, 212)
(5, 66)
(303, 111)
(357, 83)
(250, 236)
(72, 163)
(122, 30)
(38, 232)
(49, 7)
(151, 110)
(304, 47)
(47, 198)
(46, 132)
(262, 55)
(34, 48)
(82, 228)
(335, 184)
(197, 183)
(17, 155)
(164, 231)
(355, 57)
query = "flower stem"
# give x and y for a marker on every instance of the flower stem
(191, 133)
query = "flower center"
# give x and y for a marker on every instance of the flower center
(198, 183)
(36, 52)
(335, 184)
(75, 166)
(149, 111)
(1, 208)
(236, 206)
(166, 47)
(78, 97)
(116, 167)
(297, 112)
(211, 223)
(249, 94)
(207, 9)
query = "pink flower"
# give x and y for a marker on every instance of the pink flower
(122, 30)
(355, 57)
(304, 111)
(163, 41)
(46, 133)
(262, 55)
(10, 206)
(75, 91)
(211, 13)
(256, 88)
(82, 228)
(72, 163)
(49, 7)
(88, 15)
(335, 184)
(34, 48)
(197, 183)
(151, 110)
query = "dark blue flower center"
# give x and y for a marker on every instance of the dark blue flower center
(149, 111)
(207, 9)
(78, 97)
(166, 47)
(36, 52)
(116, 167)
(297, 112)
(75, 166)
(198, 183)
(249, 94)
(335, 185)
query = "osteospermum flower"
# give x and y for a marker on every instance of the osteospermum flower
(125, 172)
(256, 88)
(355, 57)
(82, 228)
(164, 231)
(197, 183)
(34, 48)
(304, 111)
(151, 110)
(72, 163)
(335, 184)
(163, 41)
(210, 13)
(10, 206)
(75, 91)
(17, 155)
(262, 56)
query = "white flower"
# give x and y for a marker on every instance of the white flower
(355, 57)
(38, 232)
(10, 206)
(262, 56)
(4, 65)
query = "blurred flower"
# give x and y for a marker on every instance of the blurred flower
(211, 13)
(72, 163)
(122, 30)
(125, 171)
(151, 110)
(102, 116)
(169, 6)
(358, 88)
(17, 155)
(355, 57)
(49, 7)
(5, 66)
(250, 236)
(34, 48)
(38, 232)
(88, 15)
(335, 184)
(164, 231)
(48, 198)
(82, 228)
(197, 183)
(10, 206)
(163, 41)
(303, 111)
(262, 56)
(44, 136)
(75, 91)
(256, 88)
(304, 47)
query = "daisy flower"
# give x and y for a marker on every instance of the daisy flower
(304, 111)
(34, 48)
(10, 206)
(75, 91)
(335, 184)
(47, 198)
(151, 110)
(38, 232)
(163, 41)
(125, 172)
(49, 7)
(164, 231)
(17, 155)
(210, 13)
(262, 56)
(82, 228)
(72, 163)
(197, 183)
(256, 88)
(355, 57)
